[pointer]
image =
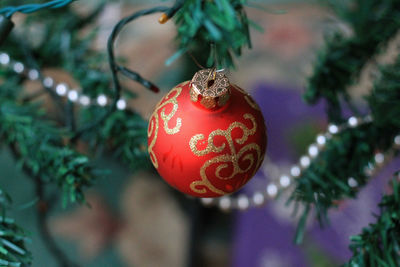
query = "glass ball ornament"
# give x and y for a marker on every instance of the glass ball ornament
(207, 137)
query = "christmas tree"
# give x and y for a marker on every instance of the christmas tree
(57, 130)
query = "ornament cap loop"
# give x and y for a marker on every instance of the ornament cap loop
(210, 89)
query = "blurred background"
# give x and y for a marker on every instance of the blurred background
(135, 219)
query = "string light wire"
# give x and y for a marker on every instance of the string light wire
(30, 8)
(115, 68)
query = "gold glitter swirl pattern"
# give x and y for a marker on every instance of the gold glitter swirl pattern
(169, 99)
(229, 161)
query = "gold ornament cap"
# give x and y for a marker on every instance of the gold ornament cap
(210, 89)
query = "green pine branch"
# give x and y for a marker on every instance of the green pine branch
(379, 243)
(124, 134)
(347, 154)
(384, 101)
(39, 145)
(339, 64)
(12, 238)
(222, 23)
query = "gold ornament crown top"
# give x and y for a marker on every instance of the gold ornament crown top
(210, 89)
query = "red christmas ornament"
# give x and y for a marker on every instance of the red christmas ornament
(206, 137)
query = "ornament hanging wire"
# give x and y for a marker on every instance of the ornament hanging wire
(213, 51)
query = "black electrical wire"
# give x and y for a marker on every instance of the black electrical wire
(30, 8)
(115, 68)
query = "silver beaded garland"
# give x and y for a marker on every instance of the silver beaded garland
(73, 95)
(353, 122)
(225, 203)
(284, 181)
(33, 74)
(243, 202)
(4, 59)
(397, 140)
(18, 67)
(61, 89)
(258, 198)
(352, 182)
(102, 100)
